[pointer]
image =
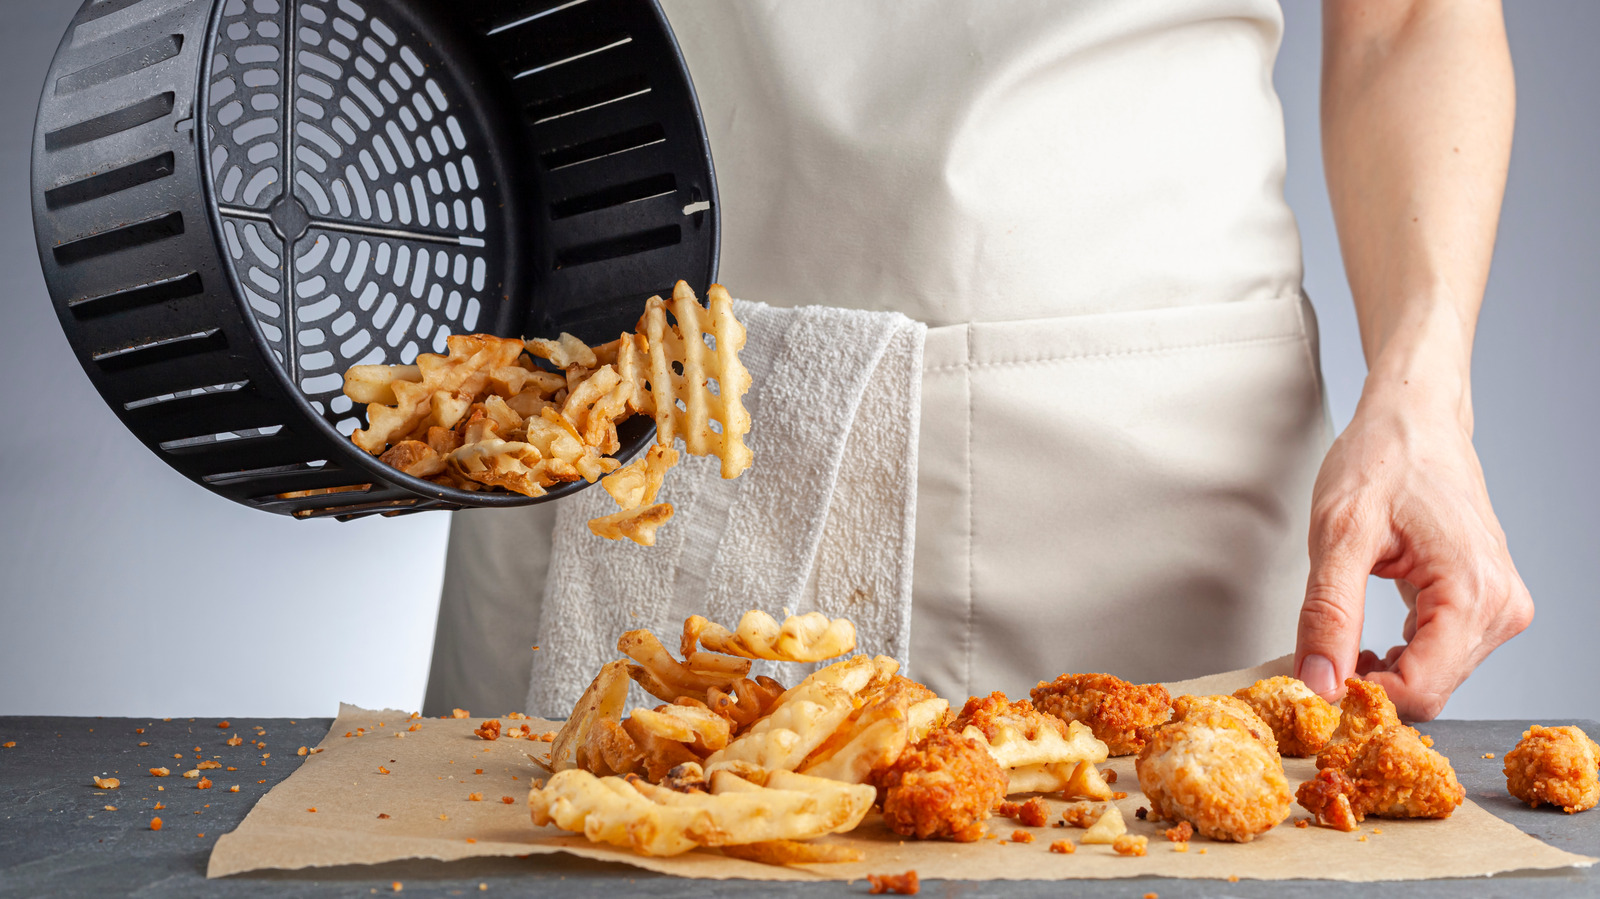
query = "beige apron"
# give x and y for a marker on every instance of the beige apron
(1122, 410)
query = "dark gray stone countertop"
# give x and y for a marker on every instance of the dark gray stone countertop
(57, 838)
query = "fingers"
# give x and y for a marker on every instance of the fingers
(1450, 639)
(1344, 546)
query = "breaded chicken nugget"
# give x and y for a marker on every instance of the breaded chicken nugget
(1365, 710)
(1301, 720)
(943, 788)
(1216, 710)
(1212, 772)
(1394, 775)
(1555, 765)
(1113, 708)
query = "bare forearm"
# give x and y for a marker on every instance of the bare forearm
(1417, 110)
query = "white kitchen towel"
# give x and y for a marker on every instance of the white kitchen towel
(824, 520)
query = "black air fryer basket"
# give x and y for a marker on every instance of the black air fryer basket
(236, 200)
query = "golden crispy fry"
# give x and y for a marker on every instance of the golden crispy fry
(590, 738)
(800, 638)
(802, 719)
(683, 347)
(746, 702)
(1555, 765)
(1086, 782)
(371, 383)
(657, 821)
(1106, 829)
(668, 679)
(637, 483)
(446, 387)
(1301, 720)
(702, 730)
(564, 352)
(414, 458)
(639, 525)
(1039, 752)
(789, 852)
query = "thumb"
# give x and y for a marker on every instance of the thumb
(1342, 555)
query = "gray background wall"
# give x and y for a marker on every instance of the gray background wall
(126, 590)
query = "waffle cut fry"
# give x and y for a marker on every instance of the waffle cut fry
(800, 638)
(682, 368)
(658, 821)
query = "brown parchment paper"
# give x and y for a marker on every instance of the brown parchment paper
(433, 770)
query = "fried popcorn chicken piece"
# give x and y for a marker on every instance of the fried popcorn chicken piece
(1213, 772)
(905, 884)
(1327, 798)
(1040, 752)
(1033, 813)
(1114, 709)
(1393, 776)
(811, 637)
(1219, 710)
(1301, 720)
(1555, 765)
(942, 788)
(1364, 710)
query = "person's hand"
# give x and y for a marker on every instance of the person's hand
(1401, 495)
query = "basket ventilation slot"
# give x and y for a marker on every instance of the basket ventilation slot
(117, 66)
(189, 398)
(587, 99)
(601, 147)
(616, 195)
(113, 122)
(625, 245)
(134, 297)
(162, 350)
(229, 439)
(128, 236)
(105, 184)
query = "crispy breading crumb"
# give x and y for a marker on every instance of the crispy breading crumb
(159, 806)
(382, 816)
(301, 751)
(155, 823)
(489, 729)
(1128, 844)
(1109, 774)
(237, 740)
(1118, 794)
(204, 784)
(905, 884)
(160, 772)
(1183, 833)
(382, 770)
(1180, 847)
(1141, 813)
(507, 800)
(477, 770)
(233, 789)
(1488, 755)
(1064, 847)
(223, 725)
(475, 797)
(192, 773)
(12, 744)
(1232, 878)
(414, 727)
(107, 783)
(1152, 896)
(397, 886)
(312, 809)
(1302, 822)
(111, 808)
(1021, 836)
(208, 765)
(460, 713)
